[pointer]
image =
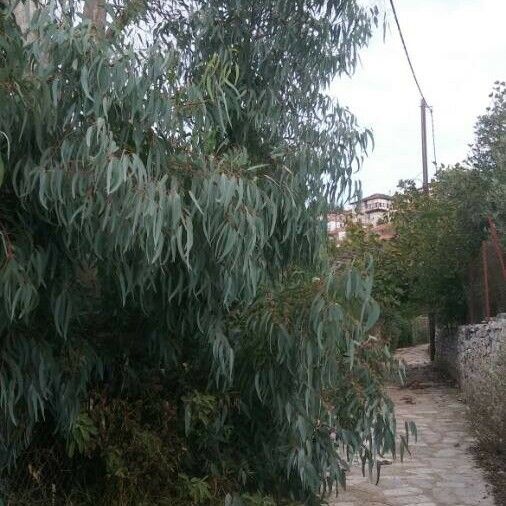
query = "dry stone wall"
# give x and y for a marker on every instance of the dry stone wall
(469, 351)
(475, 355)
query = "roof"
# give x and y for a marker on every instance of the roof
(385, 231)
(375, 210)
(340, 214)
(377, 196)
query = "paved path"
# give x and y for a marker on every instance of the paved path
(441, 470)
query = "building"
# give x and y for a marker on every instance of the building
(373, 209)
(370, 211)
(336, 224)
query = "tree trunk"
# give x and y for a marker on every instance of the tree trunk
(23, 12)
(95, 11)
(432, 336)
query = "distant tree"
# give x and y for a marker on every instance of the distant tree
(436, 236)
(365, 250)
(425, 266)
(363, 246)
(488, 155)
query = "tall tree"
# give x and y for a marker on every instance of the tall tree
(488, 155)
(437, 236)
(488, 152)
(161, 246)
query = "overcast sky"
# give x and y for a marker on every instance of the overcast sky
(458, 48)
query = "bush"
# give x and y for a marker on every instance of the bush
(154, 445)
(395, 329)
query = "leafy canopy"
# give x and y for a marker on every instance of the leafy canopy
(161, 247)
(438, 235)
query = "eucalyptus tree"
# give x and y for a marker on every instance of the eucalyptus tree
(164, 169)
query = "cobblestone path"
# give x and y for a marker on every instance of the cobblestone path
(440, 470)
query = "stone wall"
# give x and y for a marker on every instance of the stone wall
(469, 351)
(475, 356)
(446, 350)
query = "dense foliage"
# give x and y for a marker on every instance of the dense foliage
(438, 235)
(364, 249)
(166, 333)
(488, 156)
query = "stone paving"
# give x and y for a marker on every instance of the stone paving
(440, 470)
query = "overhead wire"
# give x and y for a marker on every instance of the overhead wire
(415, 78)
(406, 52)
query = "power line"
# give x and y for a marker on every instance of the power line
(415, 78)
(406, 51)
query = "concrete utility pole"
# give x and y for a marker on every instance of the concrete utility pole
(423, 110)
(431, 316)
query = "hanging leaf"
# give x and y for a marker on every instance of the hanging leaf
(2, 171)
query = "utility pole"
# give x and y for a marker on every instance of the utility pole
(423, 117)
(425, 186)
(423, 111)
